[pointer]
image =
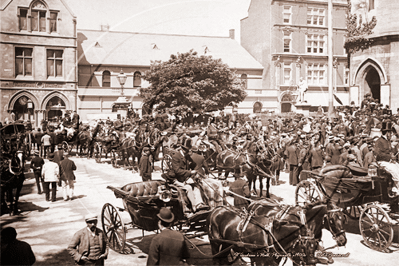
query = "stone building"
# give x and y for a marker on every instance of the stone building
(103, 54)
(38, 73)
(289, 38)
(375, 70)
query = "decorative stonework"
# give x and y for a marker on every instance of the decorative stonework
(38, 5)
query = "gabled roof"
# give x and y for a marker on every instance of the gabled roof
(139, 49)
(4, 4)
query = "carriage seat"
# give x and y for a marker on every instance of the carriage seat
(358, 171)
(143, 189)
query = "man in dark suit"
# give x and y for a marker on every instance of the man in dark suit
(145, 167)
(201, 164)
(75, 119)
(37, 164)
(382, 147)
(168, 247)
(240, 187)
(292, 153)
(89, 245)
(181, 171)
(67, 167)
(59, 154)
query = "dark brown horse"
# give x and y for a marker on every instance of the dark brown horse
(270, 231)
(12, 177)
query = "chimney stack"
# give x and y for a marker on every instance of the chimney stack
(231, 34)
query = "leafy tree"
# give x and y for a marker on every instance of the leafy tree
(188, 82)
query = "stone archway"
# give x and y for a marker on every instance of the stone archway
(24, 105)
(372, 83)
(54, 105)
(370, 75)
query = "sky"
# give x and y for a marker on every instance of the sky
(186, 17)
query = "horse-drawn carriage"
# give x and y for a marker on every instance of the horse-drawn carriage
(143, 200)
(12, 154)
(370, 196)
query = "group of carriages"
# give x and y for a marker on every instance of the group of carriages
(267, 231)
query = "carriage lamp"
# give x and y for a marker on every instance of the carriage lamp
(122, 79)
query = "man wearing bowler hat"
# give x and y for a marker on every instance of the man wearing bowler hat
(89, 245)
(382, 147)
(168, 247)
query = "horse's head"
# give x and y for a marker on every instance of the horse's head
(334, 221)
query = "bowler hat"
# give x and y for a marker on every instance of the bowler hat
(166, 215)
(51, 156)
(146, 149)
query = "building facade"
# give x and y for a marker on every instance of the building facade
(38, 74)
(289, 38)
(375, 70)
(103, 54)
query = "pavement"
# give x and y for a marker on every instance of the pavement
(49, 226)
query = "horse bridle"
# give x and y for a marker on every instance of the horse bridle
(329, 221)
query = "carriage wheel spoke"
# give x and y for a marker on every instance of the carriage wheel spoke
(379, 240)
(381, 230)
(381, 235)
(368, 223)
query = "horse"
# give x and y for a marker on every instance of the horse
(251, 163)
(12, 177)
(269, 231)
(260, 159)
(131, 148)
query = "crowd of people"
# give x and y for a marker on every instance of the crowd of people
(356, 136)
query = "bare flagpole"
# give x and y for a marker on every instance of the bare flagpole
(330, 59)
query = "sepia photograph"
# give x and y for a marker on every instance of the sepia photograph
(199, 132)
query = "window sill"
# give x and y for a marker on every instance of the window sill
(55, 78)
(21, 77)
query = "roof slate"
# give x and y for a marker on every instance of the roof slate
(137, 49)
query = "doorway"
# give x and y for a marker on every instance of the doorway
(285, 107)
(373, 83)
(55, 108)
(24, 109)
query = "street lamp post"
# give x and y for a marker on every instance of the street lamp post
(121, 103)
(122, 79)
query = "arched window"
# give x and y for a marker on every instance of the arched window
(257, 107)
(37, 18)
(137, 79)
(244, 78)
(106, 79)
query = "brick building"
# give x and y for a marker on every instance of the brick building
(38, 73)
(289, 38)
(375, 69)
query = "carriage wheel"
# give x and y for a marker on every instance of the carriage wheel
(376, 227)
(353, 211)
(97, 153)
(113, 227)
(166, 163)
(114, 159)
(307, 192)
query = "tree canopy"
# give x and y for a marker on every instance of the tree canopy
(188, 82)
